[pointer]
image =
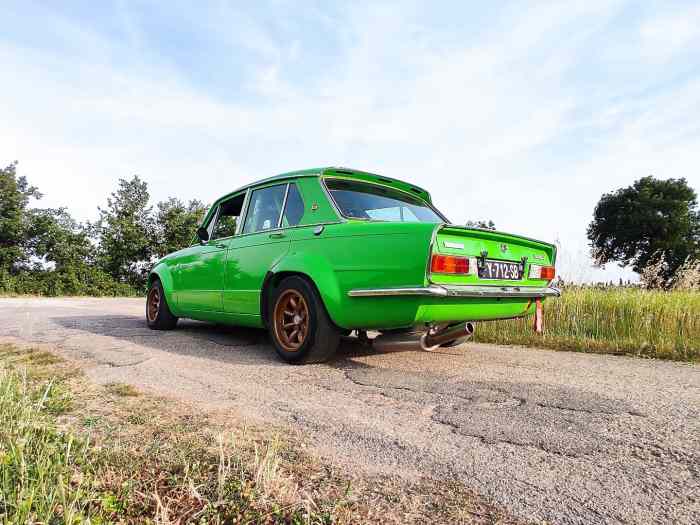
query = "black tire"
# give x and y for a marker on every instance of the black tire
(158, 317)
(320, 337)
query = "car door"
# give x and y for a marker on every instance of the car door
(201, 269)
(261, 243)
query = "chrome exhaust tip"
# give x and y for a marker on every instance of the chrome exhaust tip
(435, 338)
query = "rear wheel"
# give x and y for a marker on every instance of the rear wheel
(299, 325)
(158, 314)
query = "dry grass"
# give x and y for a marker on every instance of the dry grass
(647, 323)
(75, 452)
(111, 457)
(122, 389)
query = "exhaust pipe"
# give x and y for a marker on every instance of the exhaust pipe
(451, 336)
(396, 341)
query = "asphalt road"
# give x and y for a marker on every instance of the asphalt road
(555, 436)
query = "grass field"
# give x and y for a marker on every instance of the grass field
(658, 324)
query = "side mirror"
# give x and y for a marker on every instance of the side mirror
(202, 234)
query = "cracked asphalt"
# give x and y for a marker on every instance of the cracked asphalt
(548, 436)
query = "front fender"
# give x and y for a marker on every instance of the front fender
(164, 273)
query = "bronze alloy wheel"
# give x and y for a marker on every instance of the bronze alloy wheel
(153, 304)
(291, 320)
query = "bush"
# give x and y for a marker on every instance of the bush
(85, 280)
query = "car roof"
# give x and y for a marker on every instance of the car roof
(349, 173)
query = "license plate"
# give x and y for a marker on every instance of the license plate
(507, 271)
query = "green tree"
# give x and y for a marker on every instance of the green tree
(64, 260)
(125, 233)
(54, 237)
(15, 193)
(650, 219)
(176, 223)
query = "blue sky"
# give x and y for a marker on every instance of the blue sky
(521, 112)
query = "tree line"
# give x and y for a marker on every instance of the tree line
(652, 226)
(45, 251)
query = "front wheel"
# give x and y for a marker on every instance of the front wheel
(300, 327)
(158, 314)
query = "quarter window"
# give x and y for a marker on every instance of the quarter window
(264, 209)
(294, 209)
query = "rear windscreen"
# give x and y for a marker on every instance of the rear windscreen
(359, 200)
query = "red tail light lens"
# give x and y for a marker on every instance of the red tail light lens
(548, 272)
(449, 264)
(542, 272)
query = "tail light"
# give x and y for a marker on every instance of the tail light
(542, 272)
(449, 264)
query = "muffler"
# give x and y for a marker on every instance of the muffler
(404, 340)
(435, 337)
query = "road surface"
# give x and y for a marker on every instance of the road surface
(555, 436)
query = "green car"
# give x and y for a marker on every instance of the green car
(315, 254)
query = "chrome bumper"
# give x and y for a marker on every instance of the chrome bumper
(435, 290)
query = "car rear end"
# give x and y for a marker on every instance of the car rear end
(457, 274)
(476, 275)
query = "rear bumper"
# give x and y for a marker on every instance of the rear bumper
(435, 290)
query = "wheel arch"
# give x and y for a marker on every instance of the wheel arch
(161, 272)
(152, 277)
(323, 282)
(164, 275)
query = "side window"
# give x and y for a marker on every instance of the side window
(294, 210)
(264, 209)
(227, 217)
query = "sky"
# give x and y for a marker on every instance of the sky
(524, 113)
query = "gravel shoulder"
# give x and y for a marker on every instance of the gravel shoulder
(547, 436)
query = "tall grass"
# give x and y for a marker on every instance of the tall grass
(657, 324)
(156, 468)
(40, 467)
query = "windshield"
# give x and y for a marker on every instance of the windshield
(359, 200)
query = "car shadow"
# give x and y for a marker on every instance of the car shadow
(248, 346)
(228, 344)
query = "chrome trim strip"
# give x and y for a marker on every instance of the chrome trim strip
(329, 197)
(244, 212)
(284, 205)
(212, 222)
(502, 291)
(435, 290)
(392, 292)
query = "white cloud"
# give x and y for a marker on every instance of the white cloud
(486, 124)
(664, 36)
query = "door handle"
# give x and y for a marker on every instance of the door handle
(276, 235)
(220, 245)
